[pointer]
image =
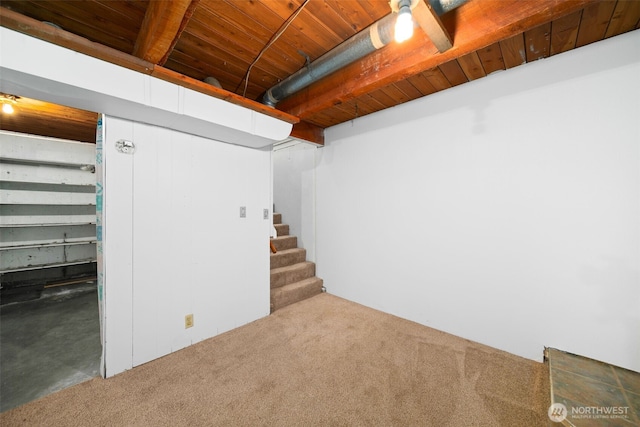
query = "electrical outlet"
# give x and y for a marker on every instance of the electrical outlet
(243, 211)
(265, 214)
(188, 321)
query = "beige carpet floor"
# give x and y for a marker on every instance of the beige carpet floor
(324, 361)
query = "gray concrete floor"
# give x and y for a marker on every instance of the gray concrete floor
(48, 344)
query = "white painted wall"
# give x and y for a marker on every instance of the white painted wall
(505, 211)
(294, 192)
(174, 242)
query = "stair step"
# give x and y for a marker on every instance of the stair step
(277, 218)
(288, 257)
(282, 229)
(285, 242)
(294, 292)
(293, 273)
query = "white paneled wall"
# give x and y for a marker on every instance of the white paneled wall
(174, 241)
(47, 196)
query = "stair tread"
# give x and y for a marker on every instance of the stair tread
(282, 229)
(283, 243)
(296, 266)
(293, 278)
(284, 275)
(296, 285)
(284, 237)
(303, 282)
(284, 252)
(287, 251)
(286, 257)
(292, 287)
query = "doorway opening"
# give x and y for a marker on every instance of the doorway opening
(49, 318)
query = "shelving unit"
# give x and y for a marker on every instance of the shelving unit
(47, 209)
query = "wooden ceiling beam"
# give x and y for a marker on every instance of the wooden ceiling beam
(474, 25)
(431, 24)
(308, 132)
(37, 29)
(163, 22)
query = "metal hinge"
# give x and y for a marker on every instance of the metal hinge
(125, 147)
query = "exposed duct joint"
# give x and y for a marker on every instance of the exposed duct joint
(443, 6)
(377, 35)
(367, 41)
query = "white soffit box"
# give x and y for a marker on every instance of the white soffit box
(37, 69)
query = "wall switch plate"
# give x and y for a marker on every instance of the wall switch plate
(265, 214)
(188, 321)
(243, 211)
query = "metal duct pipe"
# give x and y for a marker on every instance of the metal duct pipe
(374, 37)
(440, 7)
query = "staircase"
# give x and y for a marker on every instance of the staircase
(293, 278)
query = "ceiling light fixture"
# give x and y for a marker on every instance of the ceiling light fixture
(7, 102)
(404, 21)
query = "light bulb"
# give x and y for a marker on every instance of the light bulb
(7, 108)
(404, 25)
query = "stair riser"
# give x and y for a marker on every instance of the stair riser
(283, 278)
(292, 277)
(282, 297)
(282, 229)
(288, 242)
(282, 259)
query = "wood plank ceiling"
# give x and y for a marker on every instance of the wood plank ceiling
(228, 39)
